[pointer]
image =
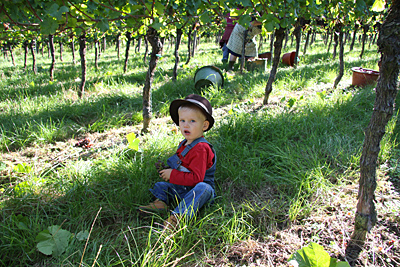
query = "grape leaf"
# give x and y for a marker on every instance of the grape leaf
(133, 142)
(378, 6)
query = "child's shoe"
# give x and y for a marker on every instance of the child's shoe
(171, 222)
(155, 206)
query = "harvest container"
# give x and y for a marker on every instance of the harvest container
(363, 77)
(260, 64)
(208, 75)
(288, 58)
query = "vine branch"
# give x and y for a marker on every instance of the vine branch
(33, 11)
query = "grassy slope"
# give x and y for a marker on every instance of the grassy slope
(278, 166)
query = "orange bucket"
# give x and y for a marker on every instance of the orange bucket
(362, 77)
(288, 58)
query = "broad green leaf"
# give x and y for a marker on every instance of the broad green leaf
(72, 22)
(157, 25)
(133, 142)
(48, 26)
(205, 18)
(247, 3)
(378, 6)
(269, 26)
(159, 7)
(53, 10)
(53, 240)
(82, 235)
(46, 247)
(313, 255)
(63, 9)
(103, 25)
(22, 168)
(236, 12)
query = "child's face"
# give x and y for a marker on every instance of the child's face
(192, 123)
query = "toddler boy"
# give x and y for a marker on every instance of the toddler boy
(189, 178)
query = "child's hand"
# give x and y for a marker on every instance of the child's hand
(165, 174)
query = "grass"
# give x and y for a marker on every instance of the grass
(275, 163)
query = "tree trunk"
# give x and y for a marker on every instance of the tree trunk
(32, 47)
(53, 57)
(42, 48)
(313, 36)
(128, 44)
(73, 50)
(96, 53)
(364, 38)
(12, 54)
(194, 42)
(330, 36)
(243, 57)
(386, 92)
(307, 42)
(82, 53)
(335, 43)
(341, 61)
(48, 49)
(117, 44)
(179, 33)
(146, 48)
(271, 43)
(189, 45)
(286, 39)
(260, 43)
(5, 52)
(297, 34)
(25, 45)
(371, 39)
(156, 45)
(279, 36)
(353, 39)
(61, 51)
(139, 44)
(104, 44)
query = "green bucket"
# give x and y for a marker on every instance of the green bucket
(208, 76)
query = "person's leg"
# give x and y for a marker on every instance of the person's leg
(168, 192)
(194, 199)
(232, 61)
(225, 53)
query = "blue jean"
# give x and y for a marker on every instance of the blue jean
(225, 53)
(190, 199)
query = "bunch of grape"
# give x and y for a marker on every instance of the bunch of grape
(160, 165)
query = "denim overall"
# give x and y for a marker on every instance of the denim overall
(190, 198)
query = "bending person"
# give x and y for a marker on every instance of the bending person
(236, 40)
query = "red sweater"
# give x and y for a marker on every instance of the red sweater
(197, 161)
